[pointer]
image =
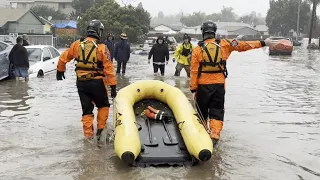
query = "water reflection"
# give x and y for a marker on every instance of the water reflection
(122, 81)
(182, 83)
(293, 89)
(214, 170)
(312, 61)
(101, 163)
(14, 99)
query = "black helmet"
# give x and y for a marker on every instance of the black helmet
(209, 27)
(95, 28)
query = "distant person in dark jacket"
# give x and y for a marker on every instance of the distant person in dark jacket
(25, 40)
(122, 53)
(20, 59)
(110, 44)
(160, 53)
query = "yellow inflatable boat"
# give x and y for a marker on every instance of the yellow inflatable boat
(145, 141)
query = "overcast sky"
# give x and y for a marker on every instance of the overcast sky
(208, 6)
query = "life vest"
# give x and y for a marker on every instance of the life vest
(88, 66)
(152, 113)
(212, 61)
(186, 51)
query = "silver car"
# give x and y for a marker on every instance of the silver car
(6, 68)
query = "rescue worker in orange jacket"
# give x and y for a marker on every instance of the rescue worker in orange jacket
(93, 65)
(208, 74)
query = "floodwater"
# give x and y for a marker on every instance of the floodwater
(271, 125)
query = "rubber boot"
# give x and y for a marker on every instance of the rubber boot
(103, 114)
(216, 128)
(98, 135)
(87, 121)
(176, 73)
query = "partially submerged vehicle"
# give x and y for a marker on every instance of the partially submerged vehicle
(281, 46)
(145, 48)
(141, 141)
(170, 40)
(172, 43)
(43, 59)
(6, 68)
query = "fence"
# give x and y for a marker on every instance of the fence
(9, 38)
(42, 39)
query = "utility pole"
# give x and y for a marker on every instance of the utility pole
(298, 20)
(314, 8)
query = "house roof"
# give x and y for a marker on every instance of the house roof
(235, 28)
(232, 28)
(14, 15)
(229, 24)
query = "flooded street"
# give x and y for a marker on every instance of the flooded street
(272, 125)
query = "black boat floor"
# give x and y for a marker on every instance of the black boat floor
(161, 151)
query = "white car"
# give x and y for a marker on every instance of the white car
(42, 59)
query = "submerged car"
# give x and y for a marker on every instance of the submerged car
(170, 40)
(42, 59)
(281, 46)
(6, 68)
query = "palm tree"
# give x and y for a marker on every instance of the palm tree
(315, 3)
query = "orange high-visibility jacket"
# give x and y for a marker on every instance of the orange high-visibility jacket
(103, 55)
(227, 46)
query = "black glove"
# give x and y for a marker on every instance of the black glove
(113, 91)
(60, 75)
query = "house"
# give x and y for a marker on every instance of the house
(64, 6)
(196, 30)
(165, 29)
(229, 29)
(162, 28)
(240, 30)
(20, 21)
(263, 29)
(47, 25)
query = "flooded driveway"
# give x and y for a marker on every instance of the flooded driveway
(272, 126)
